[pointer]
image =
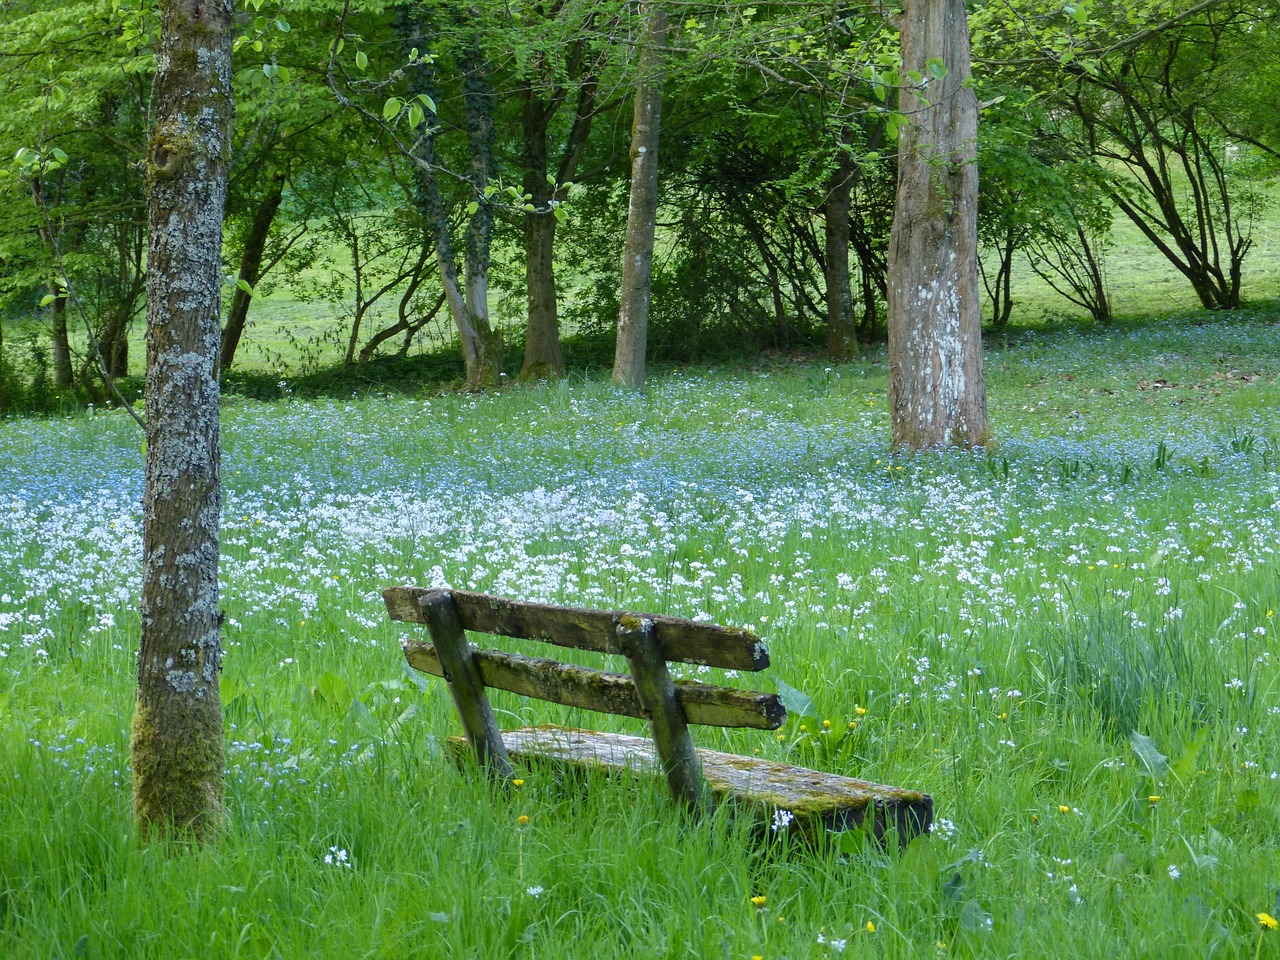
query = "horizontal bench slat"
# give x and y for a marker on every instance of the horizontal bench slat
(588, 689)
(684, 641)
(818, 800)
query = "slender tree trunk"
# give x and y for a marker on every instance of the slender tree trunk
(177, 748)
(937, 395)
(484, 353)
(63, 376)
(642, 213)
(467, 299)
(842, 339)
(543, 356)
(255, 245)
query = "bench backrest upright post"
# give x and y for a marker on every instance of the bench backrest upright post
(677, 755)
(465, 685)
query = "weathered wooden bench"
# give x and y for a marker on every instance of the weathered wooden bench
(784, 795)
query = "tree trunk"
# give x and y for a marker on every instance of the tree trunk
(937, 395)
(842, 339)
(642, 213)
(176, 743)
(543, 356)
(250, 269)
(482, 351)
(63, 375)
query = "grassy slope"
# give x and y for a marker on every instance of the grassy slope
(1005, 622)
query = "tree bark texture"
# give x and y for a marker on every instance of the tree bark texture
(842, 340)
(177, 746)
(255, 245)
(63, 375)
(642, 212)
(543, 357)
(937, 395)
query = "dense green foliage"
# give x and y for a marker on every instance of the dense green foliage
(1148, 124)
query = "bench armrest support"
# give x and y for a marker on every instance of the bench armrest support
(465, 685)
(657, 694)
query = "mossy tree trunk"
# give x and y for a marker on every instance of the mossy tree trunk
(642, 213)
(177, 746)
(937, 395)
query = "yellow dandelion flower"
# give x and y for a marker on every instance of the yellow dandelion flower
(517, 783)
(1154, 798)
(522, 820)
(871, 926)
(1268, 921)
(860, 711)
(826, 724)
(1063, 808)
(760, 900)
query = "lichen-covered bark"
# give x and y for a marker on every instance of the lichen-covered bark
(177, 748)
(937, 395)
(642, 213)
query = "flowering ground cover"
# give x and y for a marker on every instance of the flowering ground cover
(1070, 640)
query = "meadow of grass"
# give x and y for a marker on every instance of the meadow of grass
(1070, 640)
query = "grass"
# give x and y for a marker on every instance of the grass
(1069, 641)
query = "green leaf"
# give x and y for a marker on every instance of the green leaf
(427, 102)
(391, 109)
(472, 207)
(415, 116)
(797, 702)
(282, 25)
(243, 284)
(230, 689)
(362, 60)
(973, 919)
(282, 73)
(269, 69)
(59, 154)
(1185, 768)
(47, 299)
(1156, 763)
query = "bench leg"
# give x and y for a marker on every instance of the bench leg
(657, 694)
(465, 685)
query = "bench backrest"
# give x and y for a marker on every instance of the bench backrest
(647, 641)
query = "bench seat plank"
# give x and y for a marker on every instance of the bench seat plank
(819, 801)
(686, 641)
(615, 693)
